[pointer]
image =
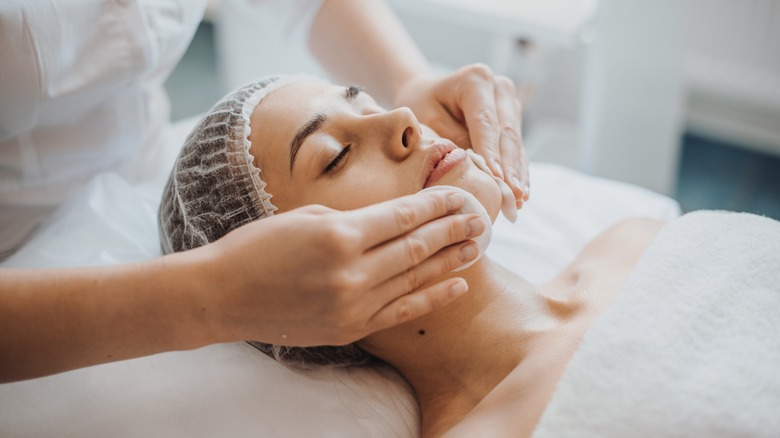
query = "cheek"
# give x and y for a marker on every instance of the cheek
(357, 187)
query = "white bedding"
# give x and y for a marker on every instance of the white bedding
(232, 389)
(690, 347)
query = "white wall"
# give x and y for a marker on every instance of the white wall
(733, 70)
(710, 67)
(615, 105)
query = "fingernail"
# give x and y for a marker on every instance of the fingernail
(474, 227)
(459, 288)
(517, 184)
(497, 166)
(526, 191)
(455, 201)
(468, 252)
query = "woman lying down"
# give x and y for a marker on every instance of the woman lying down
(490, 363)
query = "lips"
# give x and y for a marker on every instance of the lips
(441, 157)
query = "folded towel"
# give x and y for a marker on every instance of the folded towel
(690, 347)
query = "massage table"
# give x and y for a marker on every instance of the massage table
(233, 390)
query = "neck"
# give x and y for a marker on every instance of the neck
(455, 356)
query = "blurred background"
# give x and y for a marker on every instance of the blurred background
(679, 96)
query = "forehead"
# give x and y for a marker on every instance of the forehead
(292, 105)
(279, 115)
(293, 101)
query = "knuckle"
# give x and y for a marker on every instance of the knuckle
(404, 312)
(411, 281)
(338, 238)
(405, 217)
(458, 230)
(440, 203)
(480, 71)
(431, 306)
(316, 208)
(511, 133)
(488, 119)
(344, 283)
(350, 240)
(451, 262)
(416, 249)
(505, 85)
(335, 287)
(306, 208)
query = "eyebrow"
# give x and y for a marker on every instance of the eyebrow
(309, 128)
(316, 123)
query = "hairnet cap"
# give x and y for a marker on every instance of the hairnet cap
(214, 188)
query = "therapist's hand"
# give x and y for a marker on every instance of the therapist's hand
(311, 276)
(474, 108)
(317, 276)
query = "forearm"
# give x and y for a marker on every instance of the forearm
(362, 41)
(57, 320)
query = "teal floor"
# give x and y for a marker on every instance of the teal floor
(712, 175)
(719, 175)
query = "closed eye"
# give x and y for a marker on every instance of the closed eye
(333, 165)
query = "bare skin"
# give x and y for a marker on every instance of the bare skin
(491, 360)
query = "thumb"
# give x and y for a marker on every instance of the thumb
(446, 126)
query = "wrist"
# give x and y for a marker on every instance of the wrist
(406, 79)
(189, 278)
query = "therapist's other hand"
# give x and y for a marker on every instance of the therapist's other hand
(475, 108)
(317, 276)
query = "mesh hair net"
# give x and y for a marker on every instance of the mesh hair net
(215, 188)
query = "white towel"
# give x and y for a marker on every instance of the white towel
(690, 347)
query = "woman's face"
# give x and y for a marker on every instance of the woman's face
(318, 143)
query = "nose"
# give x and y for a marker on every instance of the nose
(398, 131)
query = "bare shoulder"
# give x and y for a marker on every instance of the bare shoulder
(626, 240)
(609, 255)
(634, 229)
(515, 405)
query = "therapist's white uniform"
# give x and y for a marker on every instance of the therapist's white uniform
(81, 92)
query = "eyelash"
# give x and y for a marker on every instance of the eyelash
(336, 161)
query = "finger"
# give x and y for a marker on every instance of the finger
(392, 219)
(400, 255)
(419, 276)
(479, 111)
(511, 146)
(525, 178)
(420, 303)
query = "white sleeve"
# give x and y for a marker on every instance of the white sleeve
(81, 91)
(293, 18)
(261, 37)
